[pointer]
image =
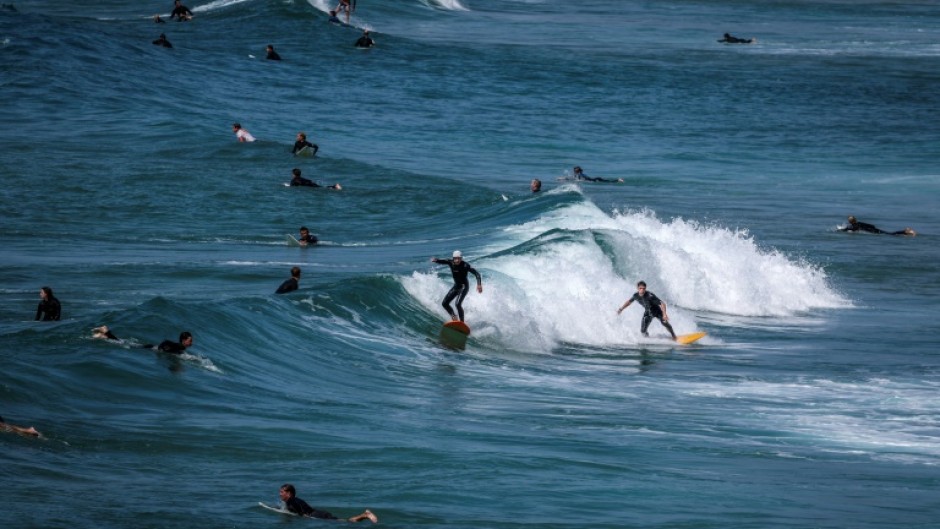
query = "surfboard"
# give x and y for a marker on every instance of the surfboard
(305, 152)
(686, 339)
(291, 241)
(276, 509)
(454, 335)
(569, 179)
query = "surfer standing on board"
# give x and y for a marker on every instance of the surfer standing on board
(459, 268)
(299, 507)
(655, 308)
(344, 7)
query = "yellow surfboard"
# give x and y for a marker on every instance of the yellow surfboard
(685, 339)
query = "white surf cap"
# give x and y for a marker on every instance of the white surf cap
(458, 254)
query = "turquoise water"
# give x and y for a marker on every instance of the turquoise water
(811, 403)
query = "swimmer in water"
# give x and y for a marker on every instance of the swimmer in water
(291, 284)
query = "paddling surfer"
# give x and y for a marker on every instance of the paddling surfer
(299, 507)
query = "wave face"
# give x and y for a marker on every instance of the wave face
(811, 397)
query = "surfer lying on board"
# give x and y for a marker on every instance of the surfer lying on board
(7, 427)
(855, 226)
(301, 181)
(299, 507)
(579, 175)
(291, 284)
(735, 40)
(655, 308)
(459, 268)
(168, 346)
(242, 134)
(103, 333)
(302, 143)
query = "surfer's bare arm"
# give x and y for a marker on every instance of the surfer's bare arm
(625, 305)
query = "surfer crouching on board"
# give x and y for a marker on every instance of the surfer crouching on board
(459, 268)
(655, 308)
(301, 508)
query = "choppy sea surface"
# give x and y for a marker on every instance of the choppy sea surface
(812, 402)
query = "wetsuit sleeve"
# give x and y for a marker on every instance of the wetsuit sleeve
(443, 261)
(476, 275)
(39, 311)
(171, 347)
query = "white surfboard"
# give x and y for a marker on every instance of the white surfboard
(276, 509)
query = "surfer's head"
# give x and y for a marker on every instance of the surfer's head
(186, 339)
(295, 272)
(287, 491)
(852, 219)
(457, 255)
(236, 126)
(45, 293)
(295, 171)
(641, 285)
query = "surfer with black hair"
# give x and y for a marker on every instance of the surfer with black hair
(306, 238)
(291, 284)
(271, 55)
(180, 12)
(242, 134)
(856, 226)
(299, 507)
(535, 185)
(298, 180)
(728, 39)
(579, 175)
(459, 269)
(302, 144)
(365, 41)
(654, 308)
(169, 346)
(49, 308)
(162, 41)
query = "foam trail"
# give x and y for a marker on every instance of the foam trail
(449, 5)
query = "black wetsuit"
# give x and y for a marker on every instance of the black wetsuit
(309, 239)
(651, 304)
(461, 284)
(365, 42)
(301, 181)
(870, 228)
(49, 310)
(582, 176)
(273, 56)
(299, 506)
(110, 335)
(180, 12)
(163, 42)
(289, 285)
(735, 40)
(168, 346)
(298, 145)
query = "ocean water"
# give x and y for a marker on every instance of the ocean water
(812, 402)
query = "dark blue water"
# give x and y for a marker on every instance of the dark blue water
(811, 402)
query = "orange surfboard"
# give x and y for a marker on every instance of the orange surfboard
(454, 334)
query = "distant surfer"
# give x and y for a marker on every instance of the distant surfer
(49, 308)
(654, 308)
(460, 269)
(306, 238)
(334, 19)
(346, 7)
(180, 12)
(302, 144)
(579, 175)
(298, 180)
(162, 41)
(271, 54)
(365, 41)
(31, 432)
(299, 507)
(535, 185)
(158, 20)
(169, 346)
(292, 284)
(242, 134)
(104, 333)
(735, 40)
(856, 226)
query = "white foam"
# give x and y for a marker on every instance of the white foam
(560, 279)
(449, 5)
